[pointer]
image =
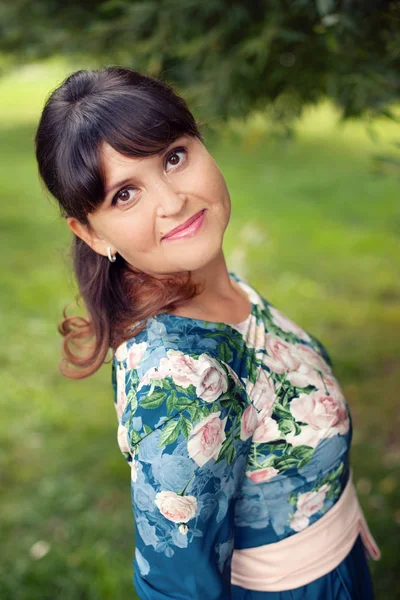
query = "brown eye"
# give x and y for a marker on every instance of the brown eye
(174, 159)
(123, 197)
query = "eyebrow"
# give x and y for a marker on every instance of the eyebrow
(129, 179)
(117, 185)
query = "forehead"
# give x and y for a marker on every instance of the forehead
(112, 159)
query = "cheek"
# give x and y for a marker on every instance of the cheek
(134, 235)
(210, 183)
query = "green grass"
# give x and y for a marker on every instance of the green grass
(313, 227)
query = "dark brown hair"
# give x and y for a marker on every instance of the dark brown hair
(138, 116)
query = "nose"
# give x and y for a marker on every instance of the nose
(169, 200)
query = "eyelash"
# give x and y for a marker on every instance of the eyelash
(130, 187)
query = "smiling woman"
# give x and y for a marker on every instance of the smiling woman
(236, 431)
(99, 131)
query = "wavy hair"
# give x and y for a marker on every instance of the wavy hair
(138, 116)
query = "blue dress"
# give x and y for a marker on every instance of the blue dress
(237, 436)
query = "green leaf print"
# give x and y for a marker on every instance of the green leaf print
(281, 411)
(285, 425)
(303, 453)
(135, 437)
(153, 400)
(224, 450)
(194, 412)
(283, 463)
(147, 429)
(169, 433)
(186, 426)
(224, 352)
(132, 399)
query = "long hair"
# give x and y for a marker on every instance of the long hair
(138, 116)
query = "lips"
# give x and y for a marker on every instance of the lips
(185, 225)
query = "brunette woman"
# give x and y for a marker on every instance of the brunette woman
(230, 417)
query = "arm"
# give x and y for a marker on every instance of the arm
(185, 444)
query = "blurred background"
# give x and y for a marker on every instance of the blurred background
(300, 105)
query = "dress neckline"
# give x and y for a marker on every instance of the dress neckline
(241, 324)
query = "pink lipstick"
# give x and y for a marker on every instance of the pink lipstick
(188, 229)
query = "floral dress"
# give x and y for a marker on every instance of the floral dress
(237, 436)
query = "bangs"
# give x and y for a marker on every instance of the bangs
(136, 122)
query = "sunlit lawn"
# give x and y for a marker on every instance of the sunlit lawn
(313, 229)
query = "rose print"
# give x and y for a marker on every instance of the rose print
(248, 423)
(134, 471)
(206, 438)
(262, 393)
(307, 437)
(308, 504)
(299, 522)
(262, 475)
(213, 380)
(121, 395)
(183, 528)
(321, 411)
(286, 324)
(267, 431)
(308, 356)
(254, 332)
(121, 352)
(183, 368)
(176, 508)
(163, 370)
(135, 355)
(281, 356)
(311, 502)
(122, 436)
(303, 376)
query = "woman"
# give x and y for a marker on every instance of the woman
(229, 415)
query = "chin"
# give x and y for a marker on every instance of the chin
(198, 256)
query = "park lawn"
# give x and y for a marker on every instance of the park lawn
(314, 228)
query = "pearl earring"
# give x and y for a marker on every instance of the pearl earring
(111, 258)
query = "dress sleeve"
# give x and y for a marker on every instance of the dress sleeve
(180, 428)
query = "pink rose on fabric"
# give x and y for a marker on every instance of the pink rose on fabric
(206, 438)
(308, 356)
(176, 508)
(299, 522)
(121, 352)
(262, 475)
(254, 332)
(183, 368)
(307, 437)
(248, 423)
(305, 375)
(121, 395)
(321, 411)
(286, 324)
(310, 503)
(266, 431)
(134, 471)
(156, 373)
(282, 356)
(135, 354)
(122, 437)
(262, 393)
(213, 380)
(234, 375)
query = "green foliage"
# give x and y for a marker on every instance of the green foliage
(227, 58)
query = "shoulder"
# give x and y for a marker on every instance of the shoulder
(159, 385)
(277, 322)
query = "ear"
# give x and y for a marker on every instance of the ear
(88, 235)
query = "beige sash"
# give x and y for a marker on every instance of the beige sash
(309, 554)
